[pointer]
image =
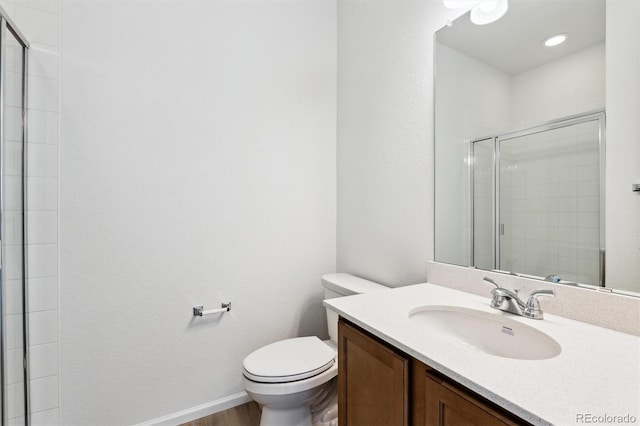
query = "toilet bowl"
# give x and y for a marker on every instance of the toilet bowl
(294, 380)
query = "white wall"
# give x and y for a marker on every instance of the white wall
(197, 166)
(623, 144)
(385, 137)
(39, 22)
(473, 101)
(567, 86)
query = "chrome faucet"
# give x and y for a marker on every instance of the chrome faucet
(508, 301)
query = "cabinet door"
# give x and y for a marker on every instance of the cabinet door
(448, 404)
(373, 380)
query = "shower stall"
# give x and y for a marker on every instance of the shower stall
(537, 201)
(14, 373)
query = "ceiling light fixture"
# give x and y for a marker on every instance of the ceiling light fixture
(460, 4)
(555, 40)
(489, 11)
(482, 11)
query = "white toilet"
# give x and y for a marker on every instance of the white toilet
(294, 380)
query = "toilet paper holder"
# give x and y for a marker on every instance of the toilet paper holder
(198, 311)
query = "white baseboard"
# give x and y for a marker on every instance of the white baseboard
(199, 411)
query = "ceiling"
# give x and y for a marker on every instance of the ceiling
(513, 44)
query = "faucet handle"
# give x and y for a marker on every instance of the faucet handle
(532, 309)
(498, 294)
(489, 280)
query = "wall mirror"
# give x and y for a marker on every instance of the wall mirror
(520, 144)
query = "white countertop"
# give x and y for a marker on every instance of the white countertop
(597, 373)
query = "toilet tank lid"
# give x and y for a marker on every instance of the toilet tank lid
(347, 284)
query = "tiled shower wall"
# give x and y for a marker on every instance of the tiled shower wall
(39, 22)
(549, 203)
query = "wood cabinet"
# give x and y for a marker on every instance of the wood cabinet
(373, 380)
(380, 385)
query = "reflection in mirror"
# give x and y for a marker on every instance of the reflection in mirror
(536, 201)
(519, 131)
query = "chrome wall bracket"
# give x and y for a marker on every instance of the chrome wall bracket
(198, 311)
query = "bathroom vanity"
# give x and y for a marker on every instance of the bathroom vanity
(397, 367)
(379, 384)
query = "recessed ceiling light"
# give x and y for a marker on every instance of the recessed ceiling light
(556, 40)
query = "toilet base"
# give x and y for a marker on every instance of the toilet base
(300, 416)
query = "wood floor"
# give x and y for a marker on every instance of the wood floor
(243, 415)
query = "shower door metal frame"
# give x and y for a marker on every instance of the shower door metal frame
(472, 170)
(597, 115)
(7, 24)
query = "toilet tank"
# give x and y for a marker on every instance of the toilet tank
(338, 285)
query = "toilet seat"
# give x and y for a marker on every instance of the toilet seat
(289, 360)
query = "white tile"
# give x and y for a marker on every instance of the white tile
(589, 236)
(17, 421)
(567, 174)
(13, 54)
(44, 393)
(12, 193)
(588, 172)
(37, 26)
(13, 367)
(15, 400)
(567, 264)
(567, 220)
(588, 219)
(14, 331)
(42, 227)
(588, 204)
(12, 159)
(49, 6)
(43, 260)
(43, 127)
(43, 94)
(588, 253)
(585, 266)
(42, 193)
(43, 360)
(43, 294)
(13, 124)
(566, 189)
(12, 228)
(43, 329)
(42, 160)
(44, 61)
(567, 235)
(13, 89)
(13, 295)
(567, 204)
(45, 418)
(588, 189)
(13, 262)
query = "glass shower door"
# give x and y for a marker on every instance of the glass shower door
(12, 229)
(549, 201)
(482, 196)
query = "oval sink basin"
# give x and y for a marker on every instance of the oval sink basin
(490, 333)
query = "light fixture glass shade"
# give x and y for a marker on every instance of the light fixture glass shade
(460, 4)
(489, 11)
